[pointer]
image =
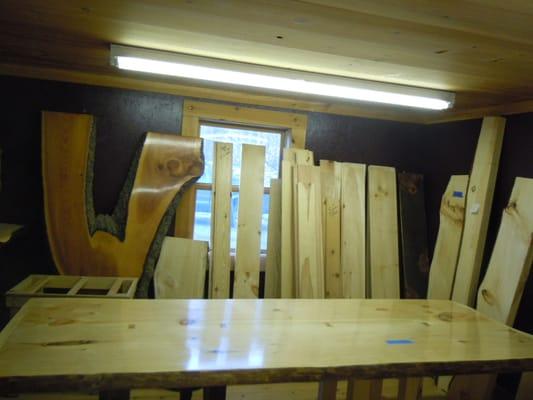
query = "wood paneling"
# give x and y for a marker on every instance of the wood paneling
(480, 50)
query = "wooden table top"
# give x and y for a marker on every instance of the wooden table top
(93, 344)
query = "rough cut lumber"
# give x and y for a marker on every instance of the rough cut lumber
(478, 207)
(273, 258)
(181, 269)
(364, 389)
(503, 285)
(353, 230)
(310, 256)
(290, 158)
(444, 262)
(219, 268)
(248, 252)
(412, 215)
(383, 233)
(84, 244)
(330, 175)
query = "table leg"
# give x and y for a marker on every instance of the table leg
(114, 395)
(215, 393)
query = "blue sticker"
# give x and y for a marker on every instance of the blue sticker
(400, 341)
(457, 194)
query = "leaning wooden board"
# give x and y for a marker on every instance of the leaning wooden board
(503, 285)
(181, 269)
(220, 263)
(446, 252)
(414, 235)
(247, 341)
(478, 207)
(166, 164)
(353, 230)
(248, 252)
(383, 233)
(273, 263)
(330, 175)
(310, 255)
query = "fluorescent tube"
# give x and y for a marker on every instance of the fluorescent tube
(241, 74)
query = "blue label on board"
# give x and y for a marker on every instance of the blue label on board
(400, 341)
(458, 194)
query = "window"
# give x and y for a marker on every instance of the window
(205, 116)
(237, 135)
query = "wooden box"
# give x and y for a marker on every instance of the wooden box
(69, 286)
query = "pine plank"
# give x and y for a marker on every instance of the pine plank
(330, 175)
(248, 252)
(413, 228)
(501, 290)
(446, 253)
(525, 388)
(272, 266)
(478, 207)
(364, 389)
(503, 285)
(291, 157)
(353, 230)
(181, 268)
(383, 233)
(310, 261)
(219, 269)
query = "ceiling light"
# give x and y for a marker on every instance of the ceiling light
(283, 80)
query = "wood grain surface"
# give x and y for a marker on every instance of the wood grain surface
(166, 164)
(116, 344)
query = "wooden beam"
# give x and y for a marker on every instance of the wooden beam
(353, 230)
(273, 258)
(478, 207)
(247, 257)
(219, 269)
(383, 233)
(446, 253)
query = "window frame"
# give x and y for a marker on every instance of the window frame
(197, 112)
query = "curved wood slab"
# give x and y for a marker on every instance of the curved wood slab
(166, 164)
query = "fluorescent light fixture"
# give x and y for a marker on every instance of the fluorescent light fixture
(279, 79)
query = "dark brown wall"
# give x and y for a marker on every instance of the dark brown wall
(437, 151)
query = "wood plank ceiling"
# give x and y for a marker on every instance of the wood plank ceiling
(480, 49)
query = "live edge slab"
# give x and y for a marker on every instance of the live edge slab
(102, 345)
